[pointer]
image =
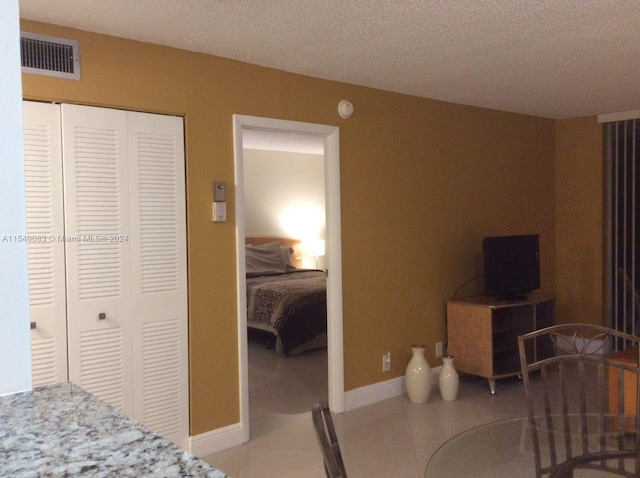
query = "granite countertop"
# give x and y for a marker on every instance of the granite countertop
(61, 430)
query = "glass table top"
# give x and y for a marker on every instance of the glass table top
(505, 449)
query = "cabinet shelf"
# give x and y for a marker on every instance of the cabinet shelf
(482, 333)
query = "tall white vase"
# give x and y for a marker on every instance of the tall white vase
(448, 380)
(418, 376)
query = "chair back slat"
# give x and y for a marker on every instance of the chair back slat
(566, 426)
(582, 392)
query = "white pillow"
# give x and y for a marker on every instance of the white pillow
(264, 258)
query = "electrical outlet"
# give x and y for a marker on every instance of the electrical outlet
(386, 362)
(438, 349)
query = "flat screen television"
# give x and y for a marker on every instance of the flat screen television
(511, 266)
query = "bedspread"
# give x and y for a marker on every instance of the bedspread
(294, 304)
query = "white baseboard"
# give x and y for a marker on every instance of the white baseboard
(216, 440)
(377, 392)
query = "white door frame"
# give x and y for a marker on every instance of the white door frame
(333, 253)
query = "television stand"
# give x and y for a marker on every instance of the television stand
(482, 333)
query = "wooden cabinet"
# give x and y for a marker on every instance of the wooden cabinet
(629, 356)
(482, 333)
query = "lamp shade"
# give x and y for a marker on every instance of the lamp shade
(314, 247)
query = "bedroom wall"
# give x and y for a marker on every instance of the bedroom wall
(422, 182)
(276, 182)
(284, 195)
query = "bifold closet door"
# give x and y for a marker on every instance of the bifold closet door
(106, 221)
(96, 206)
(45, 242)
(159, 273)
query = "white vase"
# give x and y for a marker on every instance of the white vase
(448, 380)
(418, 376)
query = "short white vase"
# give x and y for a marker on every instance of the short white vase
(448, 380)
(418, 376)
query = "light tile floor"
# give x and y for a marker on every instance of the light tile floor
(392, 438)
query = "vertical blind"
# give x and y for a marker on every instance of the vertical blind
(622, 139)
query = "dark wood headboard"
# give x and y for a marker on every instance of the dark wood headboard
(295, 244)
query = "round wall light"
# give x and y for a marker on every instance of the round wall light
(345, 109)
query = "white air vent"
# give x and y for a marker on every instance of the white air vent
(50, 56)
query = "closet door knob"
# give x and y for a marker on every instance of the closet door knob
(102, 316)
(32, 325)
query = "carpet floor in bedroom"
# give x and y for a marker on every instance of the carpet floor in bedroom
(391, 438)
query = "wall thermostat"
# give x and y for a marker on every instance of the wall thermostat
(219, 192)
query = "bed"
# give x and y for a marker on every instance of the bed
(284, 299)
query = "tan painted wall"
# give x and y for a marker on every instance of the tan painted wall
(422, 182)
(579, 221)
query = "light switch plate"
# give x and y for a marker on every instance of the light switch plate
(219, 211)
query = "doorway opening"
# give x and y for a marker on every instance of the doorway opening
(328, 136)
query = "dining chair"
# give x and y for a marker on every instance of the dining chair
(582, 389)
(326, 434)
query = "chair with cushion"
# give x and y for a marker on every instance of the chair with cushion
(326, 434)
(579, 381)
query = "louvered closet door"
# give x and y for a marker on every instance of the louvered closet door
(96, 205)
(159, 273)
(45, 233)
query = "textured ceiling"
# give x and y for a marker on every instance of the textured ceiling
(549, 58)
